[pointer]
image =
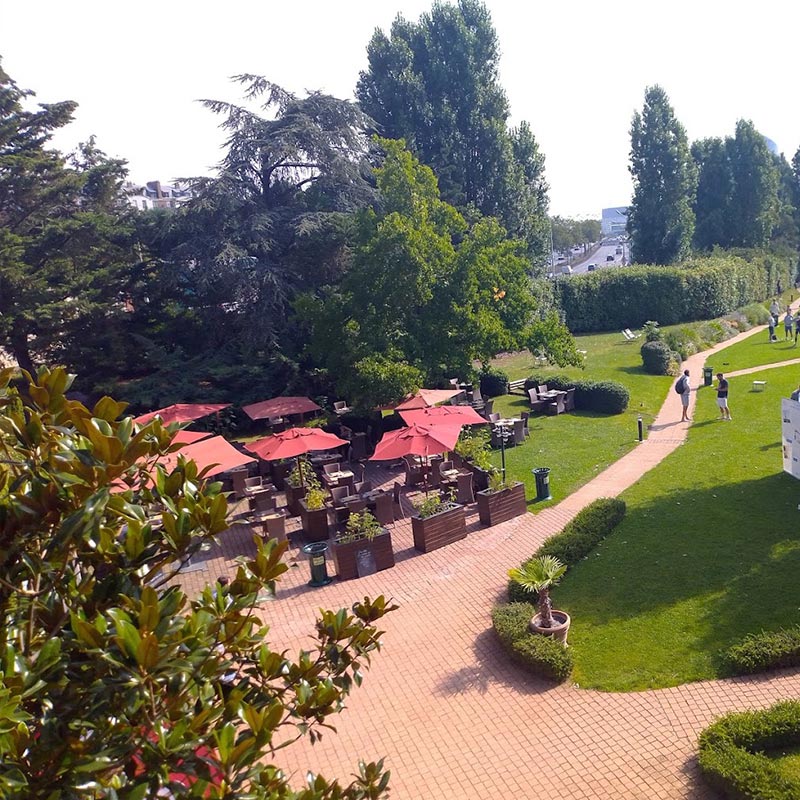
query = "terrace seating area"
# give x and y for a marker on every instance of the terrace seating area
(551, 401)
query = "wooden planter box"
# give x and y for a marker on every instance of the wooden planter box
(293, 496)
(440, 529)
(348, 555)
(315, 522)
(494, 507)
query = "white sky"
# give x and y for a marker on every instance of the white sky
(576, 70)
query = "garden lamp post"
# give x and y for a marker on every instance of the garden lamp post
(502, 433)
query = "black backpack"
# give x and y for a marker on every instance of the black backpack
(680, 386)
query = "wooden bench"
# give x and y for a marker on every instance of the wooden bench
(758, 386)
(517, 386)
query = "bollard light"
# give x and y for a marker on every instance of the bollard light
(641, 429)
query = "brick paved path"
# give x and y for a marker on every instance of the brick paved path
(454, 718)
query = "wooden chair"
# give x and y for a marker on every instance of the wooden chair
(555, 407)
(493, 417)
(487, 407)
(413, 472)
(569, 400)
(356, 507)
(363, 486)
(238, 480)
(542, 388)
(464, 492)
(337, 493)
(519, 431)
(341, 407)
(525, 416)
(444, 466)
(329, 468)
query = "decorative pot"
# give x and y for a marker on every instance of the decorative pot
(558, 631)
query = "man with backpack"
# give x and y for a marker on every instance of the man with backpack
(683, 388)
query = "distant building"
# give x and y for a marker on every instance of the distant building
(155, 194)
(773, 148)
(614, 221)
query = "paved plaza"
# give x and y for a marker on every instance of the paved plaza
(443, 704)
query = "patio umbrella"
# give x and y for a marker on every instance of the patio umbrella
(280, 407)
(294, 442)
(181, 412)
(426, 398)
(444, 415)
(417, 440)
(189, 437)
(216, 452)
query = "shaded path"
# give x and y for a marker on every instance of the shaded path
(456, 720)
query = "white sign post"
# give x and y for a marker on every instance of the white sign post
(790, 435)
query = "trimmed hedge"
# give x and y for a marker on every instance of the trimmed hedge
(730, 753)
(763, 651)
(606, 397)
(578, 538)
(658, 359)
(703, 288)
(540, 655)
(493, 382)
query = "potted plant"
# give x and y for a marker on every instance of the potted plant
(473, 452)
(538, 575)
(314, 514)
(437, 523)
(501, 501)
(298, 482)
(362, 544)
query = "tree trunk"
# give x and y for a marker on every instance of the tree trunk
(21, 352)
(545, 609)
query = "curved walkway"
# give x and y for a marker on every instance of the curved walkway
(455, 719)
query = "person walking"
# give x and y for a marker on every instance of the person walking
(771, 324)
(775, 308)
(788, 321)
(796, 327)
(722, 397)
(684, 388)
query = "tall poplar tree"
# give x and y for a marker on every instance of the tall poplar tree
(660, 218)
(714, 189)
(435, 84)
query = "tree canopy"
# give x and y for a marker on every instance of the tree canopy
(435, 84)
(114, 683)
(660, 217)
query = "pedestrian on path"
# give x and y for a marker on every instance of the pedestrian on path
(796, 327)
(683, 387)
(722, 397)
(773, 321)
(775, 308)
(788, 321)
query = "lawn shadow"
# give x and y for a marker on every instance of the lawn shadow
(491, 665)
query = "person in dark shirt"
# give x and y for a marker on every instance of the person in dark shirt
(722, 397)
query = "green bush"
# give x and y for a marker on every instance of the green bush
(731, 757)
(756, 313)
(493, 382)
(658, 359)
(763, 651)
(578, 538)
(540, 655)
(704, 288)
(607, 397)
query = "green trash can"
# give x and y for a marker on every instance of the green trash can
(316, 558)
(708, 376)
(542, 475)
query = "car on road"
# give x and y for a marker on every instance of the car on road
(566, 269)
(609, 258)
(591, 268)
(619, 251)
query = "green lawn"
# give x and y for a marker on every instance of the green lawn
(579, 445)
(755, 351)
(708, 552)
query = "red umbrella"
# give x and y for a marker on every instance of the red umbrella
(216, 451)
(417, 440)
(444, 415)
(294, 442)
(189, 437)
(425, 398)
(181, 412)
(280, 407)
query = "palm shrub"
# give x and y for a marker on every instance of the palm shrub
(537, 576)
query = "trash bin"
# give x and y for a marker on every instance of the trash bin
(316, 558)
(542, 475)
(708, 376)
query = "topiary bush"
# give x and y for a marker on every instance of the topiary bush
(731, 753)
(606, 397)
(493, 382)
(577, 539)
(658, 359)
(763, 651)
(540, 655)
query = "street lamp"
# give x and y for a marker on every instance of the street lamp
(503, 433)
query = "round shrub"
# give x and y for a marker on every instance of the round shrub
(657, 358)
(511, 621)
(731, 752)
(494, 382)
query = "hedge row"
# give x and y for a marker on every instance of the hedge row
(760, 652)
(730, 753)
(493, 382)
(578, 538)
(607, 397)
(704, 288)
(541, 655)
